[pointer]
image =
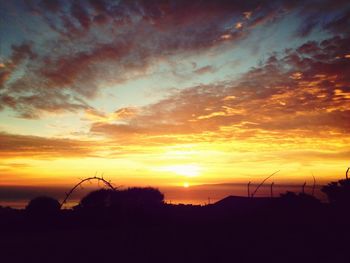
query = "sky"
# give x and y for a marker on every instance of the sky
(173, 93)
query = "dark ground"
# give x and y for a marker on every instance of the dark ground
(235, 229)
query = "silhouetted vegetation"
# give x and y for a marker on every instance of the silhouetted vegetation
(43, 205)
(338, 193)
(102, 198)
(299, 198)
(142, 196)
(132, 197)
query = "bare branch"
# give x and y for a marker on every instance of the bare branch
(314, 185)
(249, 189)
(257, 188)
(271, 188)
(303, 188)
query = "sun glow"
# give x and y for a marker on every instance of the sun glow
(189, 170)
(186, 184)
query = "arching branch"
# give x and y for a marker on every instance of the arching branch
(99, 179)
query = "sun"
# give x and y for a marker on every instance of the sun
(186, 184)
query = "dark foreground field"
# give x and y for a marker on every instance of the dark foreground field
(294, 228)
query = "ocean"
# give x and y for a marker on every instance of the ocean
(19, 196)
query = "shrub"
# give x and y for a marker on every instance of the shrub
(131, 197)
(338, 192)
(43, 205)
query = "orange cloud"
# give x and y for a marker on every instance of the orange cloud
(247, 15)
(239, 25)
(304, 90)
(13, 145)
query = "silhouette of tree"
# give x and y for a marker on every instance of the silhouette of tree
(99, 199)
(43, 205)
(299, 198)
(131, 197)
(338, 193)
(142, 196)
